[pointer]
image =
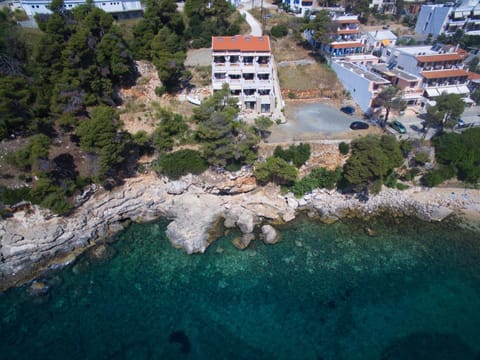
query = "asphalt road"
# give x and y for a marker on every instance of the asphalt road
(314, 121)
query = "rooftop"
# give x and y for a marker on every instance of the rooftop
(440, 57)
(383, 68)
(439, 74)
(242, 43)
(380, 35)
(363, 72)
(346, 44)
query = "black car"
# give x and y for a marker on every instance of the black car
(359, 125)
(349, 110)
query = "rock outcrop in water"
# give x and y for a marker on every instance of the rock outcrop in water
(33, 240)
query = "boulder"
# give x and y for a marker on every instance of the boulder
(242, 242)
(176, 187)
(270, 235)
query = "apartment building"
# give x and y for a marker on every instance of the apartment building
(362, 84)
(33, 7)
(440, 67)
(383, 6)
(345, 39)
(245, 63)
(448, 18)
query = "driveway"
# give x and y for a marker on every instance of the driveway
(306, 122)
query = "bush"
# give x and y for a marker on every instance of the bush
(437, 176)
(318, 178)
(278, 31)
(410, 174)
(180, 163)
(421, 158)
(344, 148)
(297, 154)
(276, 170)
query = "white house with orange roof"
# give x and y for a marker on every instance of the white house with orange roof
(246, 64)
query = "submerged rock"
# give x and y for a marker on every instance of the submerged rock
(242, 242)
(270, 235)
(38, 288)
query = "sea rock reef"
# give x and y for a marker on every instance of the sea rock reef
(34, 239)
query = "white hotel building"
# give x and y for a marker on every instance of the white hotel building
(33, 7)
(245, 63)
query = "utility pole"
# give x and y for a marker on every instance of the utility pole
(263, 18)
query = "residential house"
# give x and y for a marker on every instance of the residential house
(376, 40)
(383, 6)
(412, 6)
(300, 7)
(447, 18)
(245, 63)
(33, 7)
(409, 84)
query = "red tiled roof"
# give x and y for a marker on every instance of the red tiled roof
(346, 45)
(438, 74)
(348, 31)
(440, 57)
(473, 76)
(354, 21)
(241, 43)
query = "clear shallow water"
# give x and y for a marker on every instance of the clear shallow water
(323, 292)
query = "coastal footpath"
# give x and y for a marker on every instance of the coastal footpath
(200, 208)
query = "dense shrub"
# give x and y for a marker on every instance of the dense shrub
(180, 163)
(344, 148)
(439, 175)
(373, 158)
(276, 170)
(318, 178)
(460, 152)
(297, 154)
(421, 158)
(279, 31)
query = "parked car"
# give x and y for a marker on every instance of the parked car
(397, 125)
(461, 123)
(359, 125)
(349, 110)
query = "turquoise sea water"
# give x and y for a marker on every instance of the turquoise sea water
(324, 292)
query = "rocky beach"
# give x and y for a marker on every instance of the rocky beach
(200, 208)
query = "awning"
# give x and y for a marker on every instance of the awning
(463, 89)
(432, 92)
(468, 100)
(449, 90)
(386, 42)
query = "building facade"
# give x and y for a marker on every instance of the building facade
(245, 63)
(345, 40)
(448, 18)
(33, 7)
(441, 68)
(299, 7)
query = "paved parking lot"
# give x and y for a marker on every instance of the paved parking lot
(315, 121)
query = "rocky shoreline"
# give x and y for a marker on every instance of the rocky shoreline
(34, 240)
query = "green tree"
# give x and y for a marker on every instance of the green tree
(322, 27)
(448, 108)
(262, 124)
(389, 98)
(180, 163)
(171, 127)
(275, 170)
(16, 99)
(371, 160)
(99, 135)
